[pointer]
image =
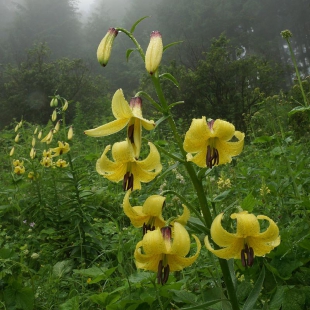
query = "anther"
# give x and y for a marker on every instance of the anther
(212, 157)
(128, 181)
(130, 133)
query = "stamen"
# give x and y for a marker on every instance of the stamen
(128, 181)
(159, 272)
(130, 133)
(212, 157)
(162, 273)
(247, 256)
(146, 228)
(250, 259)
(243, 261)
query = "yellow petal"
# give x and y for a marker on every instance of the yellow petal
(182, 219)
(260, 247)
(271, 233)
(120, 106)
(219, 235)
(247, 224)
(197, 135)
(122, 152)
(107, 129)
(148, 125)
(223, 130)
(146, 261)
(178, 262)
(181, 241)
(232, 251)
(200, 158)
(152, 161)
(153, 243)
(153, 205)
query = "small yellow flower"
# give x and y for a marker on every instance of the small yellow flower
(247, 242)
(61, 163)
(165, 250)
(88, 280)
(19, 170)
(125, 114)
(46, 162)
(47, 153)
(32, 176)
(154, 52)
(105, 47)
(63, 148)
(17, 162)
(127, 168)
(210, 141)
(223, 183)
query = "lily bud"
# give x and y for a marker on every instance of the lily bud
(105, 47)
(32, 153)
(33, 142)
(65, 106)
(70, 133)
(154, 52)
(12, 151)
(16, 128)
(54, 115)
(40, 135)
(56, 129)
(20, 124)
(35, 131)
(54, 102)
(16, 138)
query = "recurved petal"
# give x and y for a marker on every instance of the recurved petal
(122, 152)
(223, 130)
(141, 175)
(247, 224)
(260, 247)
(232, 251)
(107, 129)
(199, 159)
(197, 135)
(120, 106)
(152, 161)
(181, 241)
(146, 261)
(229, 149)
(153, 205)
(153, 243)
(182, 219)
(219, 235)
(148, 125)
(177, 262)
(271, 233)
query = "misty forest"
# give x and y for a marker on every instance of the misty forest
(155, 154)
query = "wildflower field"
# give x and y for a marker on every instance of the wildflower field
(145, 210)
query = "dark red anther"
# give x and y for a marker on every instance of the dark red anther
(128, 181)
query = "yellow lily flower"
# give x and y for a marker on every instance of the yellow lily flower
(247, 242)
(17, 162)
(32, 153)
(165, 250)
(126, 167)
(46, 161)
(61, 163)
(210, 140)
(125, 114)
(62, 148)
(47, 153)
(19, 170)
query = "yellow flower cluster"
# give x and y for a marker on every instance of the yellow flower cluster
(223, 183)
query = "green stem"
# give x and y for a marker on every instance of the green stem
(297, 72)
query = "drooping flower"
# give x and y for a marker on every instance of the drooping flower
(165, 250)
(46, 161)
(61, 163)
(247, 242)
(105, 47)
(19, 170)
(210, 141)
(47, 153)
(33, 176)
(154, 52)
(126, 167)
(17, 162)
(125, 114)
(63, 148)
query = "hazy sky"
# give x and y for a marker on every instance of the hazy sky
(85, 5)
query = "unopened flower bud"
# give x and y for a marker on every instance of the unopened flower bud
(286, 34)
(16, 138)
(70, 133)
(20, 124)
(16, 128)
(33, 142)
(12, 151)
(105, 47)
(65, 106)
(32, 153)
(40, 134)
(35, 131)
(54, 115)
(54, 102)
(154, 52)
(56, 129)
(35, 255)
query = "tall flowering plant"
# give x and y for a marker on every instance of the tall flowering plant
(208, 143)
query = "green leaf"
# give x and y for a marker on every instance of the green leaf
(128, 53)
(61, 268)
(248, 203)
(19, 296)
(170, 77)
(174, 104)
(298, 109)
(184, 296)
(71, 304)
(277, 151)
(95, 273)
(136, 23)
(171, 44)
(204, 305)
(251, 300)
(276, 301)
(263, 139)
(221, 196)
